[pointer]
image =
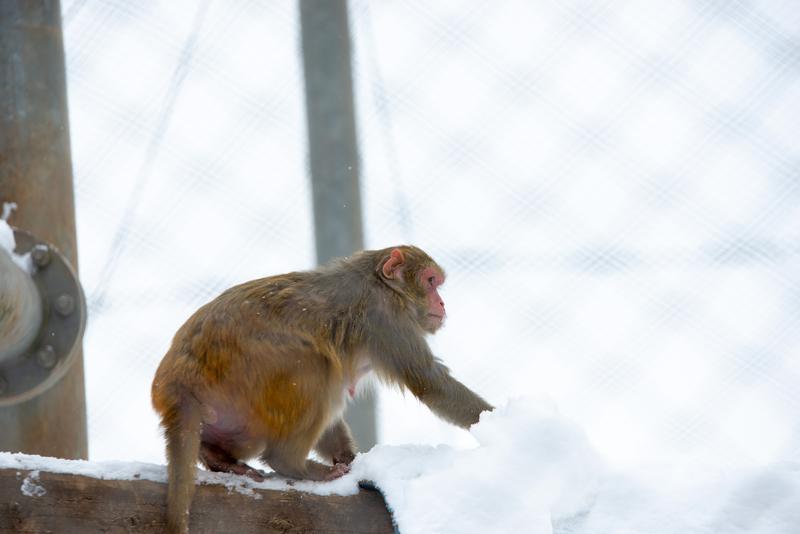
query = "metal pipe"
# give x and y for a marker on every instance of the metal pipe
(20, 309)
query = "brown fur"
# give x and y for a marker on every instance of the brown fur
(263, 369)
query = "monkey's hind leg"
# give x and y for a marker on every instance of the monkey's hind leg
(182, 430)
(336, 444)
(219, 460)
(293, 464)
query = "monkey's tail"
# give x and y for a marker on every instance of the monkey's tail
(181, 423)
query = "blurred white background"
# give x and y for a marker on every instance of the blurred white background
(613, 188)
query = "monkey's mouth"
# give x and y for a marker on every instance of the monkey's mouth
(437, 317)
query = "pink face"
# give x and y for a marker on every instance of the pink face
(431, 279)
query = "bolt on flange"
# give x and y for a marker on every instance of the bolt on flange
(64, 304)
(40, 254)
(46, 356)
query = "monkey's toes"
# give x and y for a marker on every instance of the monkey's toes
(255, 474)
(241, 468)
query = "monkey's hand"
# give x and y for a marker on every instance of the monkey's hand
(338, 470)
(344, 457)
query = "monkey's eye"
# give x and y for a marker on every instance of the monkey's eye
(431, 280)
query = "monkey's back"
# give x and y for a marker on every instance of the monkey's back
(261, 361)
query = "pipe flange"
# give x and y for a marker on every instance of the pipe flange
(56, 346)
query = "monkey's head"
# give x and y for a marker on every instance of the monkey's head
(414, 275)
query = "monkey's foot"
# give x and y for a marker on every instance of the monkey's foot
(219, 461)
(239, 468)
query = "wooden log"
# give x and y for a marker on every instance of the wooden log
(66, 503)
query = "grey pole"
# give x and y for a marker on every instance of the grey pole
(333, 153)
(36, 173)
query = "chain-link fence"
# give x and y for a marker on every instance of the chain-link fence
(613, 188)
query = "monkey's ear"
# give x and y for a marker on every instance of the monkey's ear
(393, 266)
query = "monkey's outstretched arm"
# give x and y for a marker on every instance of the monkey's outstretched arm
(452, 401)
(407, 360)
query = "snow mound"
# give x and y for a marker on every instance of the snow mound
(530, 464)
(534, 471)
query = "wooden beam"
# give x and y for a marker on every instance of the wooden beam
(65, 503)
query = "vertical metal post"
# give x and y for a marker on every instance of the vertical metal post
(333, 153)
(36, 173)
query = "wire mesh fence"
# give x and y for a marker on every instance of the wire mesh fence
(613, 188)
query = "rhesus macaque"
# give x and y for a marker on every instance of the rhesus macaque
(264, 370)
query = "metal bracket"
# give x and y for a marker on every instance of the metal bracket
(56, 346)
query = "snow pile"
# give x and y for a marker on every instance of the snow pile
(8, 243)
(534, 471)
(531, 465)
(694, 501)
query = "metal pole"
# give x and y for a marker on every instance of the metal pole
(36, 173)
(20, 310)
(333, 153)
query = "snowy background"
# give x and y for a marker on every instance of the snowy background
(613, 188)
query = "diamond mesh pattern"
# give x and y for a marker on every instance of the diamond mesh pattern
(613, 188)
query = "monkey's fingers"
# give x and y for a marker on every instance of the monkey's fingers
(338, 470)
(344, 458)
